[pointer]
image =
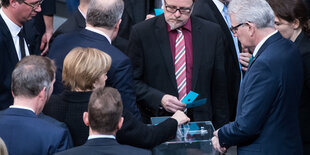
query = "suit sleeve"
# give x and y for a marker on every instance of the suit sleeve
(144, 92)
(123, 82)
(135, 133)
(259, 93)
(48, 7)
(220, 105)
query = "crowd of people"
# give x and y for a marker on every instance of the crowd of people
(92, 86)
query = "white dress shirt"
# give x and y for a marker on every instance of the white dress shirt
(100, 32)
(259, 45)
(100, 136)
(21, 107)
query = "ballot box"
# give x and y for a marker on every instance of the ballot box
(193, 138)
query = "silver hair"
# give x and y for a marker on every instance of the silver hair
(31, 75)
(258, 12)
(104, 13)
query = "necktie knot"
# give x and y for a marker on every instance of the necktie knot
(21, 33)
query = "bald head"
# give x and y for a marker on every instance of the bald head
(104, 13)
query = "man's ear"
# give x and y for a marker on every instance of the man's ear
(118, 24)
(296, 24)
(120, 123)
(13, 3)
(252, 28)
(42, 95)
(85, 118)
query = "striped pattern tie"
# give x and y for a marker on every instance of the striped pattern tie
(180, 64)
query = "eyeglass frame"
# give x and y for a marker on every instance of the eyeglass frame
(234, 29)
(33, 6)
(181, 9)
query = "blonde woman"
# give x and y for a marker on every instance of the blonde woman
(84, 70)
(3, 149)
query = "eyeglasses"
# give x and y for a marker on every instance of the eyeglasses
(234, 29)
(174, 9)
(34, 5)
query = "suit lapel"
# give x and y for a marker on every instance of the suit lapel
(10, 44)
(221, 21)
(80, 19)
(269, 41)
(162, 37)
(197, 50)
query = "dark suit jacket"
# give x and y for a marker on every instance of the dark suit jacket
(134, 12)
(100, 146)
(69, 106)
(150, 53)
(8, 60)
(206, 9)
(76, 22)
(120, 73)
(24, 133)
(303, 44)
(267, 111)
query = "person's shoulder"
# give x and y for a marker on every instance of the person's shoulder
(80, 150)
(205, 24)
(134, 150)
(149, 23)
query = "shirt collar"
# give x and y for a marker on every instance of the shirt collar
(82, 13)
(100, 32)
(187, 26)
(100, 136)
(259, 45)
(21, 107)
(219, 5)
(14, 29)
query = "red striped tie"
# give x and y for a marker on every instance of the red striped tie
(180, 64)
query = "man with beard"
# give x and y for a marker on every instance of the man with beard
(21, 129)
(174, 53)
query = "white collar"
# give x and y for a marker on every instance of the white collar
(100, 136)
(98, 31)
(82, 13)
(259, 45)
(219, 5)
(21, 107)
(14, 29)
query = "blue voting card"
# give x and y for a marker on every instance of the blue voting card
(158, 12)
(197, 103)
(157, 120)
(190, 97)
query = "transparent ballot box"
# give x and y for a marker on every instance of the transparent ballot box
(193, 138)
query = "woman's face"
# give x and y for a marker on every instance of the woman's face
(287, 29)
(101, 81)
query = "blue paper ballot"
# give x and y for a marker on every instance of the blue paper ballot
(197, 103)
(157, 120)
(190, 97)
(158, 12)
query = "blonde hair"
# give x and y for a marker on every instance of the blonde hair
(3, 149)
(83, 66)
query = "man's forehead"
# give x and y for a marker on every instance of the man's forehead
(32, 1)
(180, 3)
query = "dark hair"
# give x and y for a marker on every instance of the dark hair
(290, 10)
(105, 110)
(31, 75)
(6, 3)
